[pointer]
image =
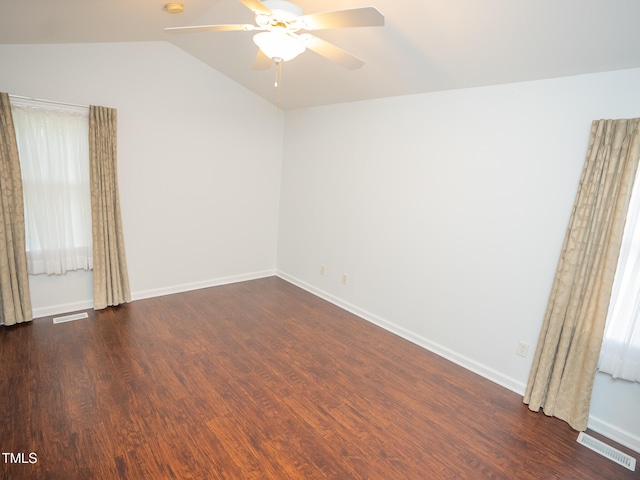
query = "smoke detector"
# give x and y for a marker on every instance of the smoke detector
(174, 7)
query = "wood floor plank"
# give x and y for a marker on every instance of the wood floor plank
(262, 380)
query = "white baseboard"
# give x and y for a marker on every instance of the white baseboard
(157, 292)
(610, 431)
(62, 308)
(186, 287)
(466, 362)
(615, 433)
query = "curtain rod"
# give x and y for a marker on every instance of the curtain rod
(48, 101)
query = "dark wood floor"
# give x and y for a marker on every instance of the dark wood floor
(261, 380)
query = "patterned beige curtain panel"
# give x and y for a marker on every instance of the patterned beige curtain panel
(110, 277)
(15, 300)
(566, 358)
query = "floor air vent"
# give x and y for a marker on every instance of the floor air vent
(607, 451)
(70, 318)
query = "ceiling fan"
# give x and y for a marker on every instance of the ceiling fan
(280, 23)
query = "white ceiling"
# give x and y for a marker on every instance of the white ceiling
(426, 45)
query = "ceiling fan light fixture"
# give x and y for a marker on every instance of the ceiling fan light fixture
(279, 44)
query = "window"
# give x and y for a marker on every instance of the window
(53, 145)
(620, 354)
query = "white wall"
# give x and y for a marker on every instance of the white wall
(199, 161)
(447, 211)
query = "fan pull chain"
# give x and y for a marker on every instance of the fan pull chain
(278, 82)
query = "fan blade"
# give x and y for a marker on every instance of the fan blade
(330, 51)
(256, 6)
(355, 17)
(210, 28)
(261, 62)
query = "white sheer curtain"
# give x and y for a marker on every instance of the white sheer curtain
(620, 353)
(53, 144)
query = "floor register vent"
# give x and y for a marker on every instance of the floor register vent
(607, 451)
(70, 318)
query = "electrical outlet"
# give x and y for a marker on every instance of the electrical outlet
(323, 270)
(344, 278)
(523, 349)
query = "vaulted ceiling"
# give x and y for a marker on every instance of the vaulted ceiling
(425, 45)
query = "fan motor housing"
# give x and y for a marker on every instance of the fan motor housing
(281, 12)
